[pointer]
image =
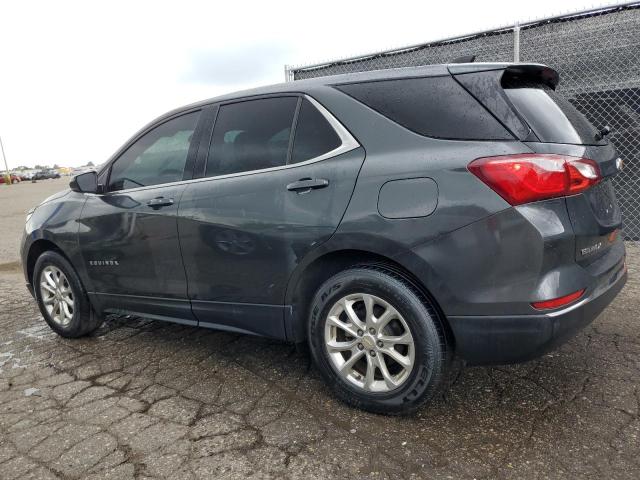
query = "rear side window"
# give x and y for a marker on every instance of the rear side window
(552, 118)
(431, 106)
(314, 135)
(251, 135)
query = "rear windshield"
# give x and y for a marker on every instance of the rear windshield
(551, 117)
(431, 106)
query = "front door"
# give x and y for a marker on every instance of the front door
(128, 235)
(274, 190)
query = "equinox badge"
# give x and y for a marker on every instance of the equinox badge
(99, 263)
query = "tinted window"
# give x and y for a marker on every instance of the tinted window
(251, 135)
(157, 157)
(314, 135)
(552, 118)
(432, 106)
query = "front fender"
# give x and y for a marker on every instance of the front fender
(56, 222)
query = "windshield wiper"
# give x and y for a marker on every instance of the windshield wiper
(602, 132)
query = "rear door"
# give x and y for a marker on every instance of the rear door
(279, 175)
(129, 235)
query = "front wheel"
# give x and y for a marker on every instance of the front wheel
(61, 297)
(377, 341)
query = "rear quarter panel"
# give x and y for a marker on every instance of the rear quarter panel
(393, 153)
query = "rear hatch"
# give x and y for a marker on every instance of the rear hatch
(524, 99)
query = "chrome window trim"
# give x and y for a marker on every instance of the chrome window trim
(348, 143)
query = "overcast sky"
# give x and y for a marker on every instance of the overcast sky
(77, 79)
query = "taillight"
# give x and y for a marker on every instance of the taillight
(524, 178)
(558, 302)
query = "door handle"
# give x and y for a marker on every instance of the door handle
(159, 202)
(305, 185)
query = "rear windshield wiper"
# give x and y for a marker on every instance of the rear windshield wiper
(602, 132)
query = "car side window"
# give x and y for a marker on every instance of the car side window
(437, 107)
(251, 135)
(159, 156)
(314, 135)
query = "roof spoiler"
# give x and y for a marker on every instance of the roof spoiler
(512, 71)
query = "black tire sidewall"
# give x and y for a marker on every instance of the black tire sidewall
(82, 313)
(430, 355)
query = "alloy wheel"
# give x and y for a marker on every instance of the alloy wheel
(369, 343)
(57, 295)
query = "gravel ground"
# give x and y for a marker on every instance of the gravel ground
(143, 399)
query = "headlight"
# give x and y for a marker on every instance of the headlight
(29, 213)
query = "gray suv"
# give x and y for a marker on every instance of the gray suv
(391, 220)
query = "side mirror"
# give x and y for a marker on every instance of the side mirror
(85, 183)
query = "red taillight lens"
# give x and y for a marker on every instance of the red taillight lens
(558, 302)
(527, 177)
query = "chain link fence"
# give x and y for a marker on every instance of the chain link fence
(596, 52)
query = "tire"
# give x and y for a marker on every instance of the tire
(71, 321)
(412, 386)
(15, 180)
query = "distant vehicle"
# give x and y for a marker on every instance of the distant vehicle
(26, 174)
(14, 178)
(45, 174)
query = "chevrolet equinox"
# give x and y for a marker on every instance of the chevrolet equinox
(392, 220)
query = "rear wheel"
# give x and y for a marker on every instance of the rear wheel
(62, 300)
(376, 341)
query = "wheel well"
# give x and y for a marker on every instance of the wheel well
(328, 265)
(38, 248)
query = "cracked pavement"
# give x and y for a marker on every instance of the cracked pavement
(145, 399)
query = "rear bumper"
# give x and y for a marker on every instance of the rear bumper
(487, 340)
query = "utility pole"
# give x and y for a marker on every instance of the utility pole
(7, 179)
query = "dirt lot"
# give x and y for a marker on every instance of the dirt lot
(15, 202)
(146, 399)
